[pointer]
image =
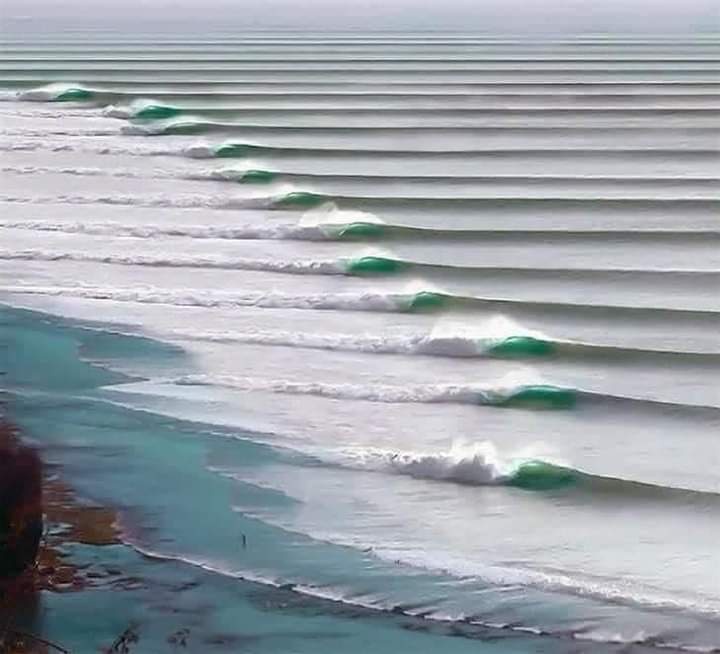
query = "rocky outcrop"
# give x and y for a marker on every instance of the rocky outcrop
(21, 512)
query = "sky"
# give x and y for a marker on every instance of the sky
(497, 16)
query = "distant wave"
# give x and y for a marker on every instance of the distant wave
(374, 265)
(303, 200)
(411, 300)
(58, 92)
(362, 266)
(194, 124)
(352, 231)
(370, 231)
(143, 109)
(265, 176)
(246, 150)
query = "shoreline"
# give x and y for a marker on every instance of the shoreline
(101, 565)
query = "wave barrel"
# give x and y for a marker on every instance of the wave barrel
(374, 266)
(522, 346)
(361, 231)
(157, 112)
(540, 397)
(539, 475)
(74, 95)
(301, 200)
(258, 177)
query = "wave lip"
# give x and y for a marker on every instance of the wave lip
(143, 110)
(374, 265)
(301, 200)
(58, 92)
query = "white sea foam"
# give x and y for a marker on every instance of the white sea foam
(156, 200)
(367, 301)
(181, 261)
(467, 463)
(247, 231)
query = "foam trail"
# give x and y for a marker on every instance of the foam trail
(180, 261)
(248, 231)
(85, 171)
(368, 301)
(158, 200)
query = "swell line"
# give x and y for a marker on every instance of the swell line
(363, 266)
(374, 301)
(357, 231)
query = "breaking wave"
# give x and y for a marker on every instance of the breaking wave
(475, 464)
(412, 299)
(419, 344)
(507, 393)
(57, 92)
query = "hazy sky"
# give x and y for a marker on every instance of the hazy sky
(465, 15)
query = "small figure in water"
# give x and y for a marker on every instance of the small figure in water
(244, 542)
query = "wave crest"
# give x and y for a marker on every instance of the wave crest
(506, 393)
(475, 464)
(57, 92)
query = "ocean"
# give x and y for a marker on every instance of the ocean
(385, 341)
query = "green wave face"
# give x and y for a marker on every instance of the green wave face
(540, 476)
(184, 128)
(74, 95)
(301, 199)
(522, 346)
(258, 177)
(541, 397)
(427, 301)
(361, 231)
(374, 266)
(157, 112)
(232, 151)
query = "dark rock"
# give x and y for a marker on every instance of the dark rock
(21, 512)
